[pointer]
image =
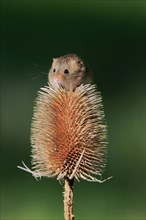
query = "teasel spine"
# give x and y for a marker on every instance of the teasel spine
(85, 122)
(69, 137)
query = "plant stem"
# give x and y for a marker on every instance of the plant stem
(68, 199)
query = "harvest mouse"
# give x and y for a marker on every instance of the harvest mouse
(69, 72)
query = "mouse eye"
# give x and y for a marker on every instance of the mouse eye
(54, 70)
(66, 71)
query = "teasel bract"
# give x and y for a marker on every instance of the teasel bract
(69, 133)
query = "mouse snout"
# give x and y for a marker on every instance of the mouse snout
(58, 77)
(57, 81)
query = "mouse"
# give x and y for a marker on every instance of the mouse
(69, 72)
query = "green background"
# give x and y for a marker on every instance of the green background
(109, 36)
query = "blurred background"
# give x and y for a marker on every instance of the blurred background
(109, 36)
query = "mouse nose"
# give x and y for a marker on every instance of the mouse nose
(58, 77)
(58, 80)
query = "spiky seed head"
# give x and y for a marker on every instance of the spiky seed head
(69, 133)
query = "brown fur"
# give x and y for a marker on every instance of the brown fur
(78, 72)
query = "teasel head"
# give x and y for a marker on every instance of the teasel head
(69, 133)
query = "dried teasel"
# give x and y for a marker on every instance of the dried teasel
(69, 133)
(68, 137)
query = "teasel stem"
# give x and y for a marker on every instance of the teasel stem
(68, 199)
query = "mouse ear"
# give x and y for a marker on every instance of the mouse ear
(54, 59)
(80, 61)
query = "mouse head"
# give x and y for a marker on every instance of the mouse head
(68, 71)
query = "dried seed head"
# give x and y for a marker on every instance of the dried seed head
(68, 133)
